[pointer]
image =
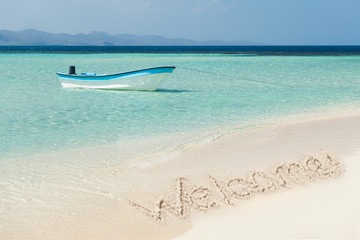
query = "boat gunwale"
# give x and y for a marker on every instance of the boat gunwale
(114, 74)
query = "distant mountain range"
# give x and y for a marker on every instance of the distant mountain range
(32, 37)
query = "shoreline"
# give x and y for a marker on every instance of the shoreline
(195, 164)
(90, 204)
(205, 137)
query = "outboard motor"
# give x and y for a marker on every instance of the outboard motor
(72, 70)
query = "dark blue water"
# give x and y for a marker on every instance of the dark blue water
(259, 50)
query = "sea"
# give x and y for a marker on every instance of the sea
(68, 151)
(214, 90)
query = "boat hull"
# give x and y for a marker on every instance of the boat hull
(146, 79)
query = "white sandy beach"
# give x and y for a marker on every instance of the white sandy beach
(197, 195)
(325, 210)
(322, 209)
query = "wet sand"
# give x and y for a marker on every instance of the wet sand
(296, 180)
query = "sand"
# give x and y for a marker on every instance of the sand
(295, 180)
(323, 210)
(320, 208)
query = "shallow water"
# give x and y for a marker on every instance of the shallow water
(207, 94)
(61, 150)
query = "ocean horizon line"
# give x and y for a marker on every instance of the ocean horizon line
(225, 49)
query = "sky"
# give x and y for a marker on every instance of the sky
(282, 22)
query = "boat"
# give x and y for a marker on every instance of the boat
(145, 79)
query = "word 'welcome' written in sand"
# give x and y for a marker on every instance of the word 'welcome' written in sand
(189, 198)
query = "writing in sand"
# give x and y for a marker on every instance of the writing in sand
(218, 192)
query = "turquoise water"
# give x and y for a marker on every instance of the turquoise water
(39, 116)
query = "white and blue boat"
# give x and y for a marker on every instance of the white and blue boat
(145, 79)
